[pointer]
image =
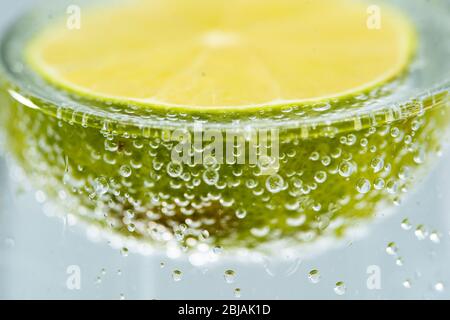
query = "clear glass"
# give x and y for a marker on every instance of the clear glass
(51, 134)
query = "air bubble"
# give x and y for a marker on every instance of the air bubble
(377, 164)
(363, 186)
(420, 232)
(210, 162)
(210, 177)
(124, 252)
(439, 287)
(177, 275)
(326, 161)
(174, 169)
(274, 183)
(419, 158)
(218, 250)
(351, 139)
(314, 276)
(336, 153)
(266, 163)
(260, 232)
(407, 284)
(111, 146)
(404, 173)
(320, 176)
(415, 125)
(241, 213)
(392, 186)
(131, 227)
(406, 225)
(204, 235)
(340, 288)
(297, 221)
(230, 276)
(379, 184)
(434, 237)
(40, 196)
(251, 183)
(125, 171)
(324, 222)
(179, 235)
(364, 142)
(314, 156)
(391, 249)
(395, 132)
(346, 169)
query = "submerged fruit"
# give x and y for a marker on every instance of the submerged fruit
(111, 162)
(224, 54)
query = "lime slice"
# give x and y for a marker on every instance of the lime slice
(223, 54)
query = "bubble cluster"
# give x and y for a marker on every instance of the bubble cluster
(123, 177)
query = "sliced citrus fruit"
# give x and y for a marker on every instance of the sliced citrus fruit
(114, 168)
(224, 53)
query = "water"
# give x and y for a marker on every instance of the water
(41, 252)
(36, 251)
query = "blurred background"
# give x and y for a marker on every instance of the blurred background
(38, 254)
